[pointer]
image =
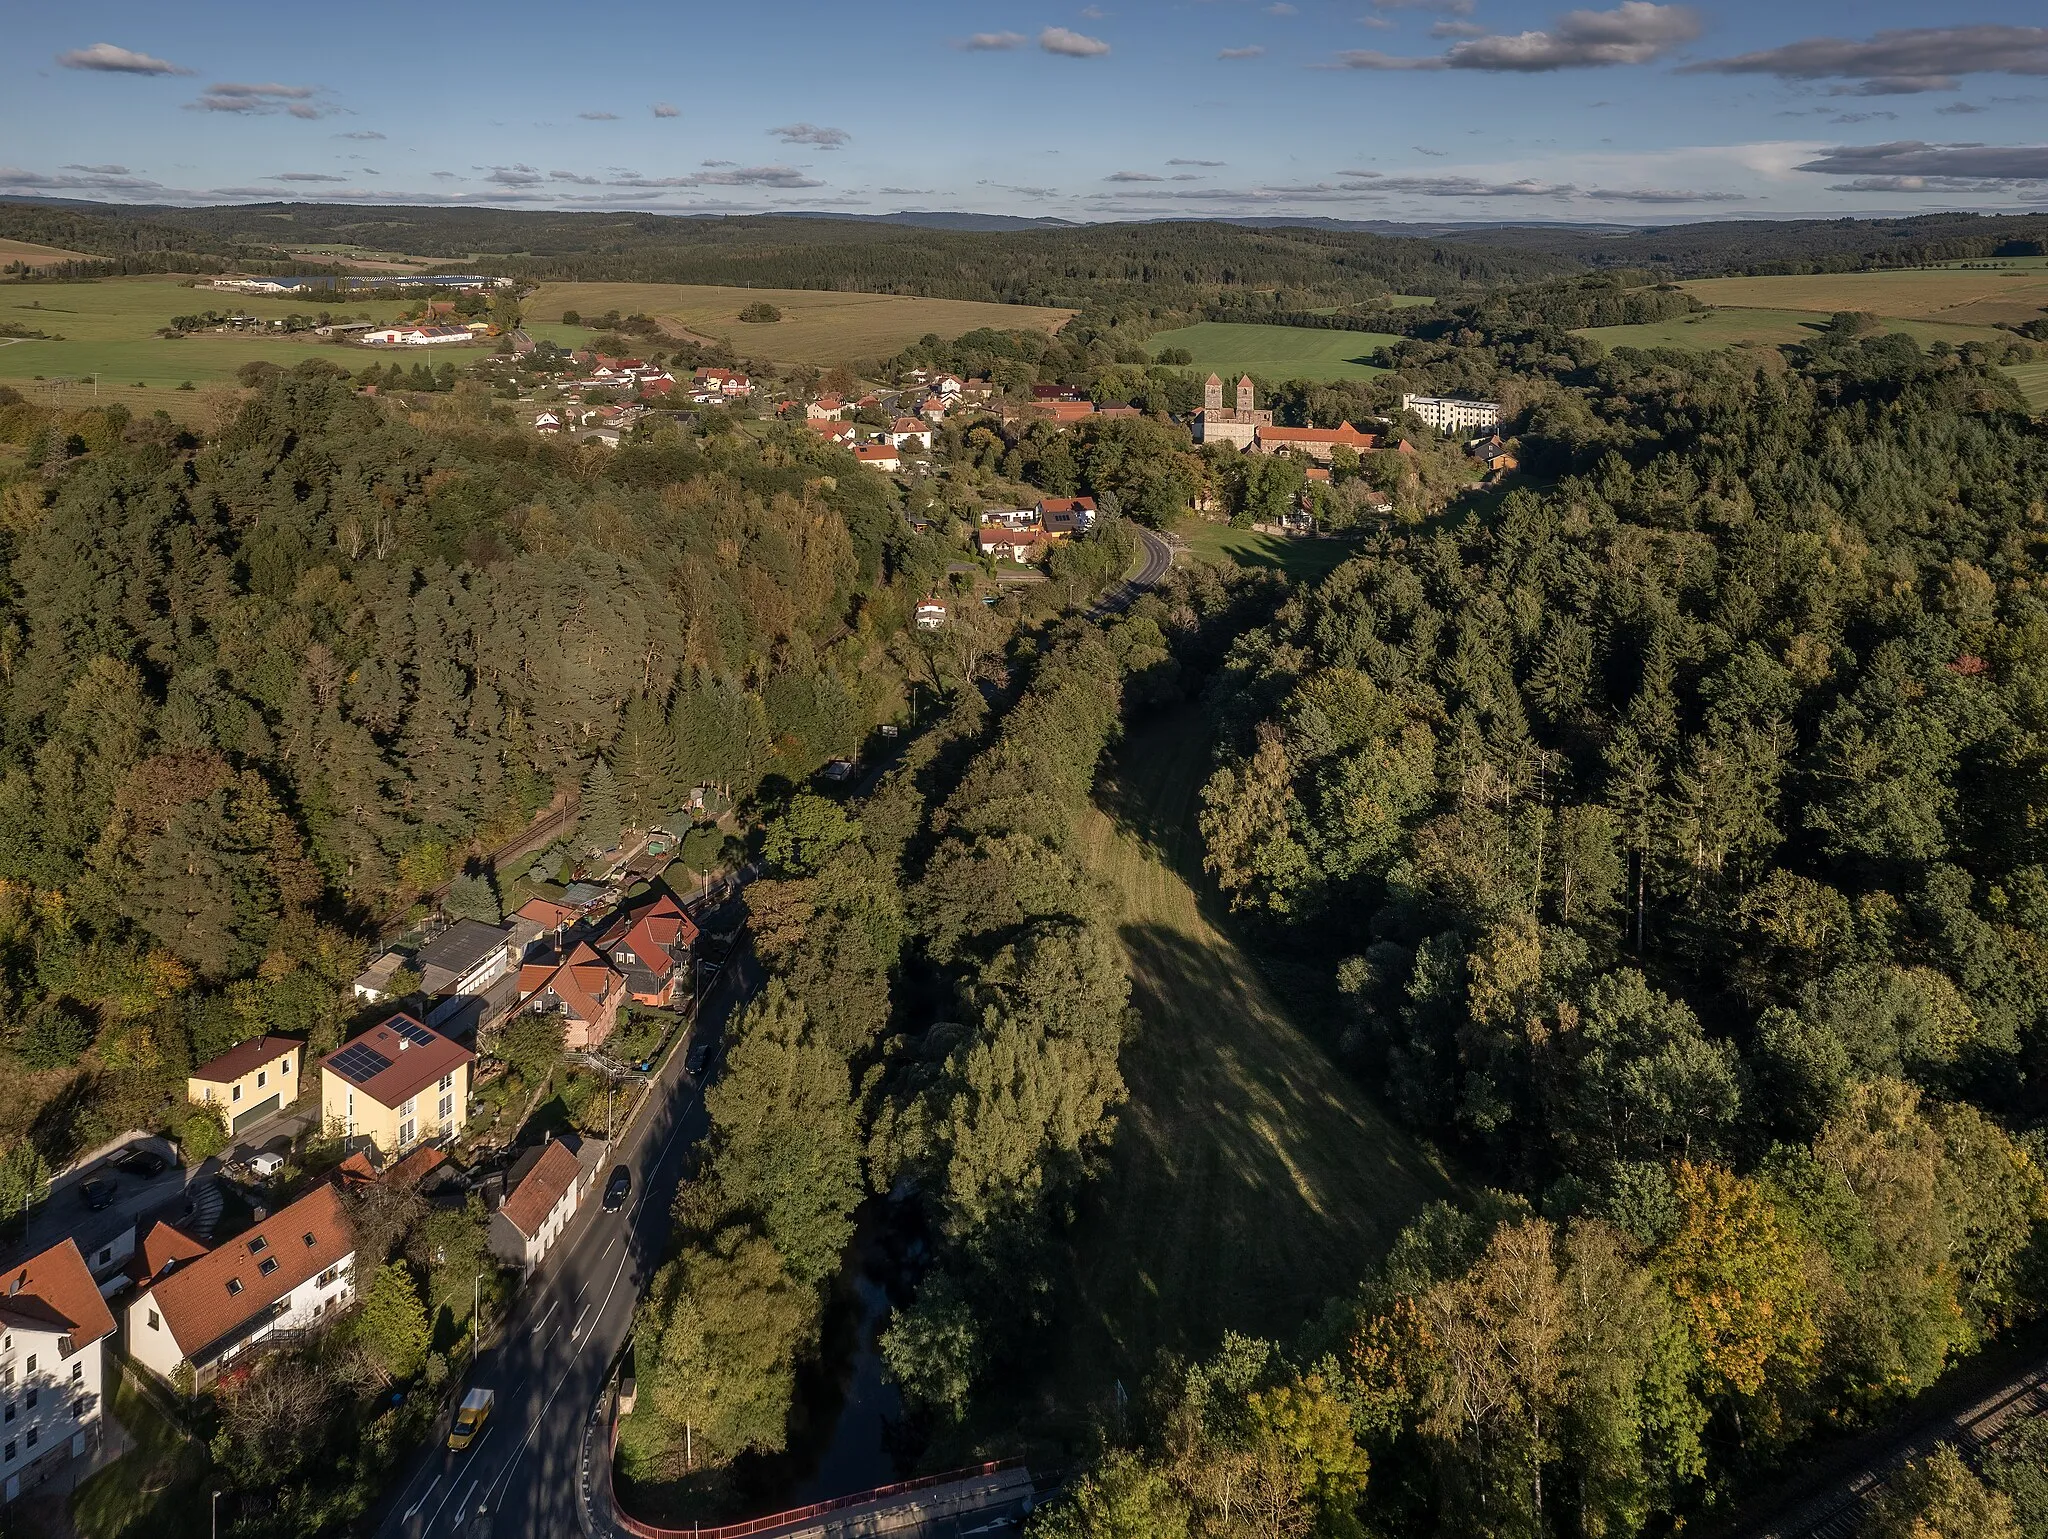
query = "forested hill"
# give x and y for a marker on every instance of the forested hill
(262, 687)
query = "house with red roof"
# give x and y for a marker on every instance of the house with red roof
(827, 408)
(287, 1273)
(1318, 444)
(55, 1326)
(585, 989)
(396, 1085)
(881, 457)
(544, 1196)
(649, 945)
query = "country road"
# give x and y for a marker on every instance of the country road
(1158, 553)
(519, 1481)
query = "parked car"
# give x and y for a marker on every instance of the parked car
(618, 1189)
(266, 1164)
(138, 1161)
(96, 1195)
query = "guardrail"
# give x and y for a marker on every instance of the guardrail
(798, 1516)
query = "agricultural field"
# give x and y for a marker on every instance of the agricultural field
(108, 330)
(1276, 352)
(1955, 295)
(32, 255)
(1250, 1178)
(2032, 378)
(817, 327)
(1735, 325)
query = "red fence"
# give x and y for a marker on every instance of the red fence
(801, 1515)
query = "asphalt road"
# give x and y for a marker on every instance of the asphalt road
(519, 1480)
(1150, 574)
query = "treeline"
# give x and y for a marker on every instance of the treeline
(263, 686)
(1604, 299)
(1678, 829)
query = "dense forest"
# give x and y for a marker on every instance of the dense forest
(264, 685)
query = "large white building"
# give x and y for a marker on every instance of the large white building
(288, 1273)
(53, 1324)
(1447, 414)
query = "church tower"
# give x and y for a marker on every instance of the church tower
(1244, 395)
(1212, 395)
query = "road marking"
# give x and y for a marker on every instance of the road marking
(444, 1502)
(413, 1510)
(577, 1329)
(611, 1290)
(548, 1316)
(520, 1452)
(461, 1506)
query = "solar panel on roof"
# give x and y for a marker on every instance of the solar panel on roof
(412, 1031)
(359, 1062)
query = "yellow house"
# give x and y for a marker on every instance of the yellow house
(396, 1085)
(250, 1080)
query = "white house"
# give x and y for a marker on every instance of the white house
(415, 336)
(908, 432)
(931, 614)
(53, 1326)
(878, 457)
(533, 1216)
(288, 1273)
(1447, 414)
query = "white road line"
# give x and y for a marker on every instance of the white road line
(577, 1329)
(520, 1452)
(444, 1502)
(612, 1289)
(461, 1506)
(547, 1317)
(413, 1510)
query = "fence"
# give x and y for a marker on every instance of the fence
(796, 1517)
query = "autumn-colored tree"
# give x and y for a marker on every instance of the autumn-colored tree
(1740, 1279)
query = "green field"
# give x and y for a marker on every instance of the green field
(1308, 559)
(1966, 296)
(817, 327)
(1277, 352)
(2032, 378)
(1250, 1179)
(108, 330)
(1735, 324)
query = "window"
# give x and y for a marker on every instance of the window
(406, 1130)
(327, 1277)
(258, 1244)
(447, 1107)
(10, 1453)
(106, 1254)
(262, 1078)
(28, 1401)
(155, 1321)
(310, 1241)
(238, 1092)
(448, 1082)
(34, 1434)
(285, 1067)
(267, 1265)
(234, 1285)
(78, 1373)
(10, 1410)
(31, 1367)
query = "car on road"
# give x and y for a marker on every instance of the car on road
(138, 1161)
(700, 1055)
(96, 1195)
(470, 1418)
(618, 1189)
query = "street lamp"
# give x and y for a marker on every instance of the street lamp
(476, 1316)
(216, 1515)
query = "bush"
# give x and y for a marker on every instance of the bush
(760, 310)
(204, 1135)
(571, 318)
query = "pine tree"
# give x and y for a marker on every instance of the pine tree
(644, 760)
(604, 813)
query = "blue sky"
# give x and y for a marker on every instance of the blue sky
(1363, 109)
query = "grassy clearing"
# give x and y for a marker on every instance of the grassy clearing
(1277, 352)
(153, 1487)
(1736, 325)
(1968, 296)
(1309, 559)
(817, 327)
(1250, 1179)
(2032, 378)
(108, 330)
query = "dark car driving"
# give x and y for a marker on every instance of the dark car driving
(700, 1055)
(618, 1189)
(96, 1194)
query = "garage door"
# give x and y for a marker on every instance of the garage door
(254, 1114)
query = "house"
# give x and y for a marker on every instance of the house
(948, 387)
(395, 1085)
(1493, 454)
(466, 958)
(935, 407)
(366, 1167)
(249, 1081)
(878, 457)
(53, 1329)
(1009, 518)
(540, 1204)
(1062, 412)
(931, 614)
(1013, 544)
(720, 382)
(415, 336)
(547, 422)
(832, 432)
(1318, 444)
(1214, 424)
(827, 408)
(587, 990)
(163, 1248)
(1123, 412)
(648, 945)
(1062, 516)
(287, 1274)
(1447, 414)
(908, 432)
(656, 386)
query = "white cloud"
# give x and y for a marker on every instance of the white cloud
(598, 117)
(306, 176)
(1950, 164)
(1634, 32)
(666, 110)
(109, 59)
(1252, 52)
(1072, 45)
(1897, 62)
(84, 179)
(1179, 162)
(993, 42)
(811, 134)
(361, 133)
(262, 100)
(1133, 176)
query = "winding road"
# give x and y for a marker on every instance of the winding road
(1158, 561)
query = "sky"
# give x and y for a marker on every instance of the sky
(1411, 110)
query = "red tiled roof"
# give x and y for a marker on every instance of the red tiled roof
(582, 983)
(412, 1065)
(1345, 434)
(164, 1246)
(304, 1240)
(245, 1056)
(547, 914)
(534, 1198)
(1066, 505)
(54, 1290)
